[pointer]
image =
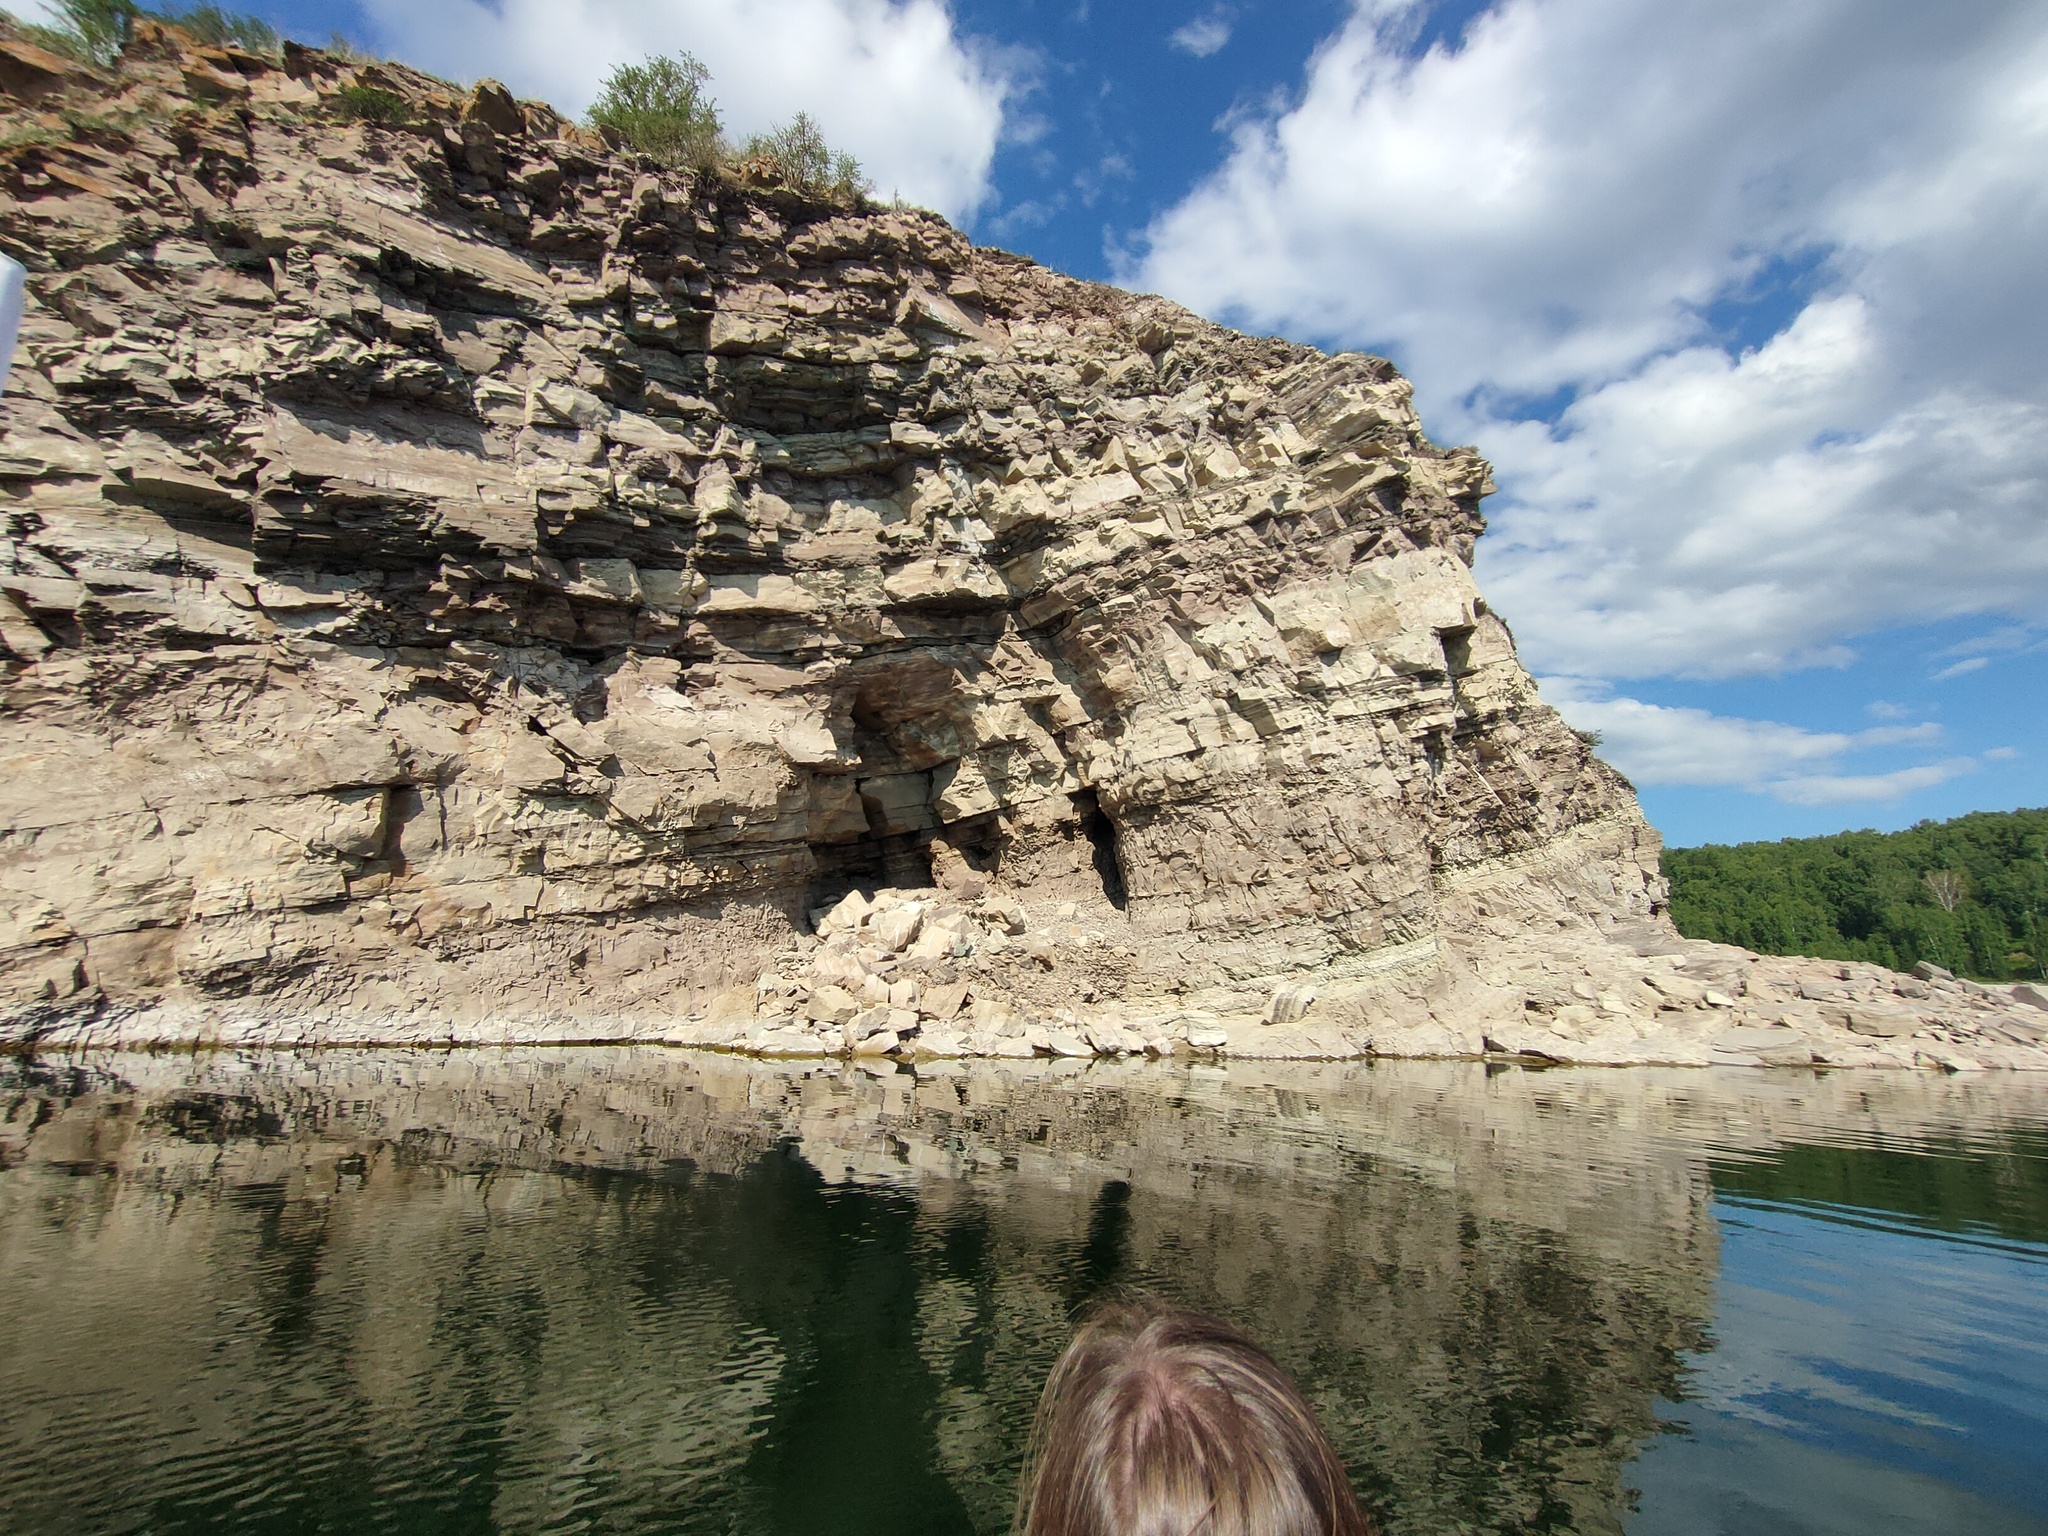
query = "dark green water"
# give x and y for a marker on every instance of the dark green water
(610, 1290)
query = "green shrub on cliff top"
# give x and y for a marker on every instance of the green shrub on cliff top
(211, 24)
(798, 155)
(662, 108)
(371, 104)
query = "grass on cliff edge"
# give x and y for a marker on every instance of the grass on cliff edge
(660, 107)
(93, 31)
(1969, 894)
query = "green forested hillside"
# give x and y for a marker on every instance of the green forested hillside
(1970, 894)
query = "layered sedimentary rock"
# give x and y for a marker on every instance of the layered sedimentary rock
(463, 581)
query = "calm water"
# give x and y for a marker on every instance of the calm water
(627, 1290)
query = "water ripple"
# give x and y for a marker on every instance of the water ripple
(611, 1290)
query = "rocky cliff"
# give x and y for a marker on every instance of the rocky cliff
(463, 581)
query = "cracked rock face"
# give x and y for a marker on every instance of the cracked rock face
(462, 581)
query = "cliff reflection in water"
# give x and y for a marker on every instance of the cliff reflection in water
(618, 1289)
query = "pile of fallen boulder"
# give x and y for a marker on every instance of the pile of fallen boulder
(922, 973)
(1641, 993)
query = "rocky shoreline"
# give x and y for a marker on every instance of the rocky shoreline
(930, 976)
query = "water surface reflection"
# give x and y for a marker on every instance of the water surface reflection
(616, 1289)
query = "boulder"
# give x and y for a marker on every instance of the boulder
(1881, 1022)
(831, 1005)
(494, 107)
(896, 928)
(840, 967)
(1773, 1047)
(867, 1021)
(847, 914)
(1005, 917)
(943, 1002)
(789, 1042)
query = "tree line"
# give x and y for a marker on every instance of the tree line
(1969, 894)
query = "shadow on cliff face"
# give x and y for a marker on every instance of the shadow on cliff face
(1101, 834)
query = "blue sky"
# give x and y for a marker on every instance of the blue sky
(1747, 301)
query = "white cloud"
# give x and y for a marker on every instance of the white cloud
(1708, 517)
(1559, 203)
(2002, 754)
(1202, 36)
(1843, 789)
(1967, 664)
(891, 81)
(2012, 639)
(1657, 744)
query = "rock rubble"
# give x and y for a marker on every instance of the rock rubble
(461, 582)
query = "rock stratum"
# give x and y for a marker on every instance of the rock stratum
(463, 582)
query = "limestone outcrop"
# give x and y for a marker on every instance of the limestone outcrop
(465, 582)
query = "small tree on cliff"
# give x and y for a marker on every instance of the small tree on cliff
(661, 109)
(91, 31)
(797, 154)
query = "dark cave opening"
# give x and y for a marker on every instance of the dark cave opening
(979, 840)
(870, 862)
(1101, 833)
(867, 715)
(1457, 644)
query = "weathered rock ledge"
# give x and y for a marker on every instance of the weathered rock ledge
(463, 583)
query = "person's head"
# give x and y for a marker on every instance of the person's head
(1157, 1422)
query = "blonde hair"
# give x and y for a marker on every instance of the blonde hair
(1162, 1422)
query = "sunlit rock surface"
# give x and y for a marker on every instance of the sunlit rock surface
(461, 582)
